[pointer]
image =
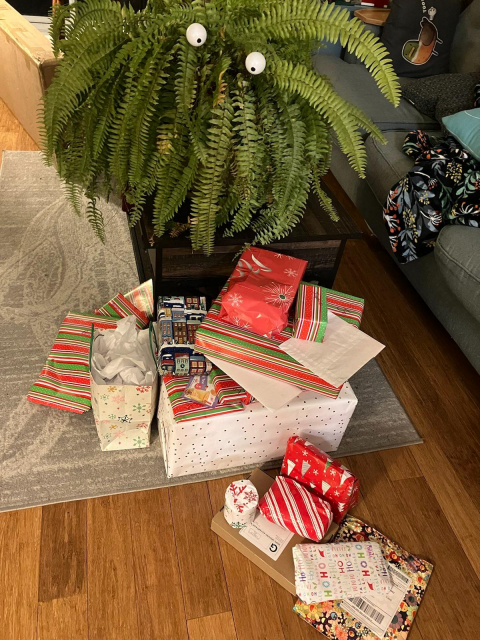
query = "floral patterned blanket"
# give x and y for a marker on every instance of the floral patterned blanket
(442, 188)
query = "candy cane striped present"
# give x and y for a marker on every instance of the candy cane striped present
(290, 505)
(120, 307)
(142, 298)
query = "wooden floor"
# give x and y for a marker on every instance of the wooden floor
(146, 566)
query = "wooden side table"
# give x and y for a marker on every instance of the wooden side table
(377, 17)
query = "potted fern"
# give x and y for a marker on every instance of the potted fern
(213, 100)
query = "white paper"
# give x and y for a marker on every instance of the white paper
(376, 611)
(123, 355)
(267, 536)
(273, 394)
(343, 352)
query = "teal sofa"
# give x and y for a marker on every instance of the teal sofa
(448, 279)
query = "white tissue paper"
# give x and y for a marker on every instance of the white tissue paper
(123, 381)
(344, 350)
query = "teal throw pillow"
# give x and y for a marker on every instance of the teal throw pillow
(465, 127)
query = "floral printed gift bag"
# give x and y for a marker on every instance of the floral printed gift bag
(123, 413)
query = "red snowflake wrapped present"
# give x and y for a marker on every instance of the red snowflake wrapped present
(290, 505)
(313, 468)
(261, 291)
(228, 391)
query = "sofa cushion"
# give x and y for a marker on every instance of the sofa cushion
(387, 164)
(457, 254)
(354, 83)
(465, 53)
(442, 95)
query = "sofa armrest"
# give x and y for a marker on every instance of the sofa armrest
(27, 62)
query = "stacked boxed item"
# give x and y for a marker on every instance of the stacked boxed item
(247, 334)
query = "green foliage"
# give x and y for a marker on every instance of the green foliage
(134, 107)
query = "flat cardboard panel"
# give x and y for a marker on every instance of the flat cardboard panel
(282, 569)
(23, 52)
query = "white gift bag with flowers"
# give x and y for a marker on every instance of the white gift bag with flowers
(124, 383)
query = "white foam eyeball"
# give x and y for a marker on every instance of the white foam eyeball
(196, 34)
(255, 62)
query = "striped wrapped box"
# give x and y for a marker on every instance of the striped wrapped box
(310, 313)
(120, 307)
(227, 390)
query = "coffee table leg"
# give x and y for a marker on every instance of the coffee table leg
(157, 281)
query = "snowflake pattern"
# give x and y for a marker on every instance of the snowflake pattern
(280, 295)
(279, 255)
(235, 299)
(332, 472)
(336, 493)
(291, 273)
(238, 322)
(143, 389)
(119, 434)
(118, 398)
(112, 416)
(142, 425)
(315, 473)
(125, 418)
(139, 407)
(139, 442)
(112, 389)
(113, 426)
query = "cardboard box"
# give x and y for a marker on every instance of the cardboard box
(280, 569)
(27, 65)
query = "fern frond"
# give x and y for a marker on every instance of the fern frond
(326, 22)
(324, 199)
(319, 93)
(209, 184)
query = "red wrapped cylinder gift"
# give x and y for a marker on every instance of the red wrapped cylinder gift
(313, 468)
(261, 291)
(288, 504)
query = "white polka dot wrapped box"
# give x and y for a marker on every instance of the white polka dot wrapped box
(253, 436)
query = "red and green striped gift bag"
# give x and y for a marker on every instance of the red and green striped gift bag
(64, 381)
(120, 307)
(184, 409)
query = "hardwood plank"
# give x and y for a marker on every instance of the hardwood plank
(251, 595)
(19, 558)
(400, 463)
(408, 512)
(112, 606)
(293, 627)
(201, 572)
(157, 575)
(217, 627)
(63, 619)
(63, 551)
(13, 136)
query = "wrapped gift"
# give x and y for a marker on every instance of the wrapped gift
(315, 469)
(261, 291)
(124, 383)
(243, 347)
(290, 505)
(310, 313)
(339, 570)
(241, 502)
(372, 616)
(196, 438)
(120, 307)
(183, 409)
(227, 390)
(64, 381)
(142, 298)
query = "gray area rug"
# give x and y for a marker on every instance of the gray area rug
(50, 263)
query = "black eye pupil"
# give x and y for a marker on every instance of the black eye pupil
(253, 69)
(199, 39)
